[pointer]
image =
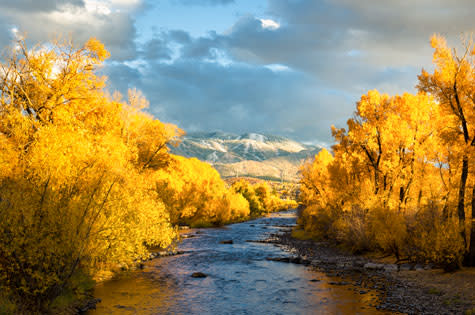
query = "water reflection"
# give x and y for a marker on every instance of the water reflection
(240, 280)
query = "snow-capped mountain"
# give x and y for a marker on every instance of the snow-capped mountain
(249, 154)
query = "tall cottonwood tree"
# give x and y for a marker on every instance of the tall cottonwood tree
(390, 136)
(389, 183)
(384, 188)
(453, 85)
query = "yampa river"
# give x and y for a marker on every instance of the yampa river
(240, 280)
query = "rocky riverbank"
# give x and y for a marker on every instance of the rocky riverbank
(406, 288)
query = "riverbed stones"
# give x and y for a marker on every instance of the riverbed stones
(394, 293)
(390, 267)
(270, 241)
(339, 283)
(293, 260)
(127, 308)
(198, 275)
(373, 266)
(167, 253)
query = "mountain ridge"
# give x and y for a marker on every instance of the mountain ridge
(248, 154)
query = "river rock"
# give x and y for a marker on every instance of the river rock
(280, 259)
(165, 253)
(418, 267)
(226, 242)
(293, 260)
(390, 267)
(128, 308)
(339, 283)
(405, 267)
(359, 263)
(198, 275)
(373, 266)
(88, 305)
(261, 241)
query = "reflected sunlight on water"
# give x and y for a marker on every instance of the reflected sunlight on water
(240, 280)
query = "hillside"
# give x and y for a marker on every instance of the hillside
(255, 155)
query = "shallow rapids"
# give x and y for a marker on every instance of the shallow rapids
(240, 280)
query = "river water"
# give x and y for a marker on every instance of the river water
(240, 280)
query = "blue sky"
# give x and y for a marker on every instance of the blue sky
(285, 67)
(197, 19)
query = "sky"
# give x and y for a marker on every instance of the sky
(291, 68)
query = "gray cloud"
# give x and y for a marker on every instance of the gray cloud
(324, 55)
(122, 77)
(343, 48)
(179, 36)
(45, 20)
(156, 48)
(200, 95)
(38, 6)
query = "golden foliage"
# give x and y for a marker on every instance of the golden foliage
(87, 185)
(401, 158)
(73, 194)
(194, 194)
(261, 198)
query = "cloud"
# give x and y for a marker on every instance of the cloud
(298, 76)
(294, 69)
(110, 21)
(156, 49)
(269, 24)
(349, 45)
(38, 6)
(201, 95)
(122, 77)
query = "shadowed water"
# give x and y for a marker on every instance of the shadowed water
(240, 280)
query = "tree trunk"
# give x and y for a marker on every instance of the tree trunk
(461, 201)
(470, 255)
(469, 259)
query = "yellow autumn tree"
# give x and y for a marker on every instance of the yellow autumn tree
(385, 179)
(261, 197)
(73, 197)
(195, 194)
(453, 85)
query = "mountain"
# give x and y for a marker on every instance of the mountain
(250, 154)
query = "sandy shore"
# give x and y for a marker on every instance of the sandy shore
(411, 289)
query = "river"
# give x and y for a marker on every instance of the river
(240, 280)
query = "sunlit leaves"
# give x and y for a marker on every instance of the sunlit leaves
(402, 158)
(73, 197)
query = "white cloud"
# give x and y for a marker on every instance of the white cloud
(99, 7)
(269, 24)
(276, 67)
(127, 3)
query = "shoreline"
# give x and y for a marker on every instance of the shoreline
(406, 288)
(184, 232)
